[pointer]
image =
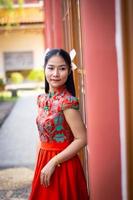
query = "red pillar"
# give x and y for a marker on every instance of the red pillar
(53, 24)
(57, 24)
(99, 59)
(48, 24)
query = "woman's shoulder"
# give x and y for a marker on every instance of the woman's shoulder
(70, 101)
(41, 98)
(68, 96)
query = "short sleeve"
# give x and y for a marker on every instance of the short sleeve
(40, 101)
(70, 102)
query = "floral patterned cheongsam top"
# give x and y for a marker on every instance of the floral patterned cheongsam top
(51, 122)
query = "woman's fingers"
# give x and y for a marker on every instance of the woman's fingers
(41, 177)
(48, 180)
(46, 173)
(45, 183)
(45, 179)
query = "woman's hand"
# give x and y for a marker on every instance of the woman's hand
(47, 172)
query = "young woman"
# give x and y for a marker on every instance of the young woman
(58, 173)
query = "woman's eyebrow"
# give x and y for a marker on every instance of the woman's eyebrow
(52, 65)
(63, 65)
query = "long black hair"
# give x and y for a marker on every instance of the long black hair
(70, 82)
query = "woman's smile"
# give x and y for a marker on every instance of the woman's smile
(55, 79)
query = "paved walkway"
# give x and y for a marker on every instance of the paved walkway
(5, 108)
(18, 134)
(15, 183)
(18, 141)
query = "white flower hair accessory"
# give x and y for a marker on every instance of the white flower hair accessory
(72, 56)
(46, 51)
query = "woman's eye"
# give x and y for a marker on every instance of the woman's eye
(63, 68)
(51, 68)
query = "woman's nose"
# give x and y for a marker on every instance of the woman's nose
(56, 72)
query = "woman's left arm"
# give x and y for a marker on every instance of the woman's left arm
(78, 128)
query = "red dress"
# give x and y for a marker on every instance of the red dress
(68, 181)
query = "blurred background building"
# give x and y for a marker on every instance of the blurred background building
(21, 38)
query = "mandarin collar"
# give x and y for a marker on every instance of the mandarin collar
(57, 91)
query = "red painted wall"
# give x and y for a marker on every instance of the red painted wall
(99, 58)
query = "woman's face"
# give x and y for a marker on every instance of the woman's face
(56, 72)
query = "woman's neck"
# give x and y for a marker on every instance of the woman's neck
(53, 90)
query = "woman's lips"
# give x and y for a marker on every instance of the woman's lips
(55, 80)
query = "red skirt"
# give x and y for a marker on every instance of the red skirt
(67, 182)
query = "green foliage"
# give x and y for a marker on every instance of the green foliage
(36, 75)
(1, 82)
(16, 77)
(6, 96)
(9, 3)
(20, 3)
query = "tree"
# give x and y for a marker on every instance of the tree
(9, 3)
